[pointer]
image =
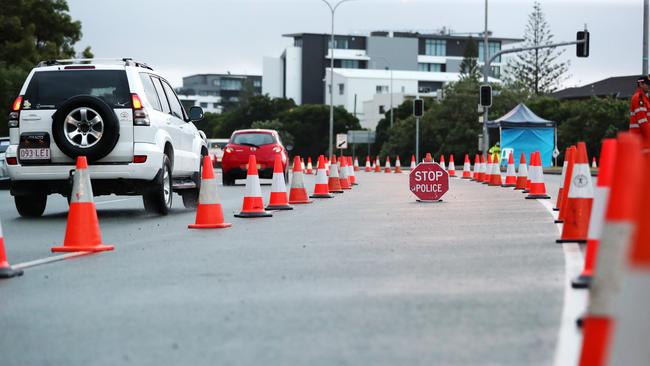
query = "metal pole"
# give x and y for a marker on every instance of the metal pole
(391, 97)
(486, 65)
(417, 139)
(645, 37)
(331, 140)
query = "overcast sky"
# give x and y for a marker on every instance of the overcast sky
(180, 38)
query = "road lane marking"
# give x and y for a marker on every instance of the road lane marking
(569, 342)
(56, 258)
(113, 201)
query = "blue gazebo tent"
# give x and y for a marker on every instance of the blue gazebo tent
(524, 131)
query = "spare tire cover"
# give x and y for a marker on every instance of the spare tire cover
(85, 126)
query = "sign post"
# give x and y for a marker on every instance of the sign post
(418, 111)
(429, 182)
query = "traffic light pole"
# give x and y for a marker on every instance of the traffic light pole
(417, 139)
(486, 67)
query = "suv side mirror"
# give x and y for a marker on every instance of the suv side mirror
(196, 114)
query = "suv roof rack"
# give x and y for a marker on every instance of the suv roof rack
(127, 61)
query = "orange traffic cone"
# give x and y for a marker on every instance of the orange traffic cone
(297, 192)
(467, 168)
(327, 166)
(253, 206)
(442, 162)
(343, 176)
(477, 168)
(334, 181)
(82, 231)
(481, 170)
(631, 333)
(620, 222)
(387, 167)
(368, 168)
(321, 188)
(488, 170)
(527, 190)
(495, 177)
(398, 165)
(428, 158)
(594, 164)
(511, 176)
(302, 164)
(579, 200)
(5, 269)
(356, 164)
(412, 162)
(565, 164)
(536, 173)
(452, 167)
(377, 165)
(567, 181)
(310, 167)
(209, 214)
(522, 173)
(278, 199)
(601, 195)
(351, 172)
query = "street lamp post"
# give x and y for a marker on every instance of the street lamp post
(391, 86)
(331, 134)
(486, 65)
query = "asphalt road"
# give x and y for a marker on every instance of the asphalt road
(367, 278)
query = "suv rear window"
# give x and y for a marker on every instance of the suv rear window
(49, 89)
(253, 138)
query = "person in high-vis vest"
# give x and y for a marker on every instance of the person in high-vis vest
(639, 108)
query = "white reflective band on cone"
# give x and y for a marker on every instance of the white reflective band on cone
(344, 172)
(321, 177)
(510, 171)
(208, 192)
(452, 166)
(581, 186)
(609, 263)
(253, 186)
(536, 174)
(467, 167)
(334, 172)
(297, 180)
(564, 168)
(351, 171)
(82, 191)
(597, 218)
(1, 236)
(631, 333)
(523, 170)
(278, 183)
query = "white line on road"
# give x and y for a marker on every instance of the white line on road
(47, 260)
(569, 342)
(113, 201)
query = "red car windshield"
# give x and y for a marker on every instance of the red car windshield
(253, 139)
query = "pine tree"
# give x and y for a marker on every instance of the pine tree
(469, 66)
(537, 71)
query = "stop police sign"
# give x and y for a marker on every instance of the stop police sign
(429, 181)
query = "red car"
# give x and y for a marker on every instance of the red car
(264, 144)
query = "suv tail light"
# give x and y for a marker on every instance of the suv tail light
(228, 150)
(14, 115)
(140, 116)
(277, 149)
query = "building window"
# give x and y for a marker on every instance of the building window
(215, 105)
(341, 89)
(340, 43)
(297, 42)
(329, 88)
(257, 83)
(403, 89)
(215, 82)
(382, 109)
(430, 67)
(381, 89)
(493, 48)
(350, 64)
(495, 72)
(204, 105)
(230, 84)
(435, 47)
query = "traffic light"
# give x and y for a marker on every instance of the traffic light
(486, 96)
(582, 49)
(418, 107)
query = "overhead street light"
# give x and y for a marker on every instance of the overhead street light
(331, 134)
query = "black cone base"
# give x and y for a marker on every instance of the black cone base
(563, 241)
(559, 221)
(538, 197)
(8, 272)
(282, 207)
(254, 214)
(581, 281)
(322, 195)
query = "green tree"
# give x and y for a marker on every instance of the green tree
(286, 137)
(258, 108)
(31, 31)
(539, 71)
(469, 65)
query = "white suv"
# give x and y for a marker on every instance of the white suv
(120, 114)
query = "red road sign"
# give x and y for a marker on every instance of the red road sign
(428, 181)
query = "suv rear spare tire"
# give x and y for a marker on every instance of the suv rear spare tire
(32, 205)
(85, 125)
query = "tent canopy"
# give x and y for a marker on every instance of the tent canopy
(525, 132)
(520, 117)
